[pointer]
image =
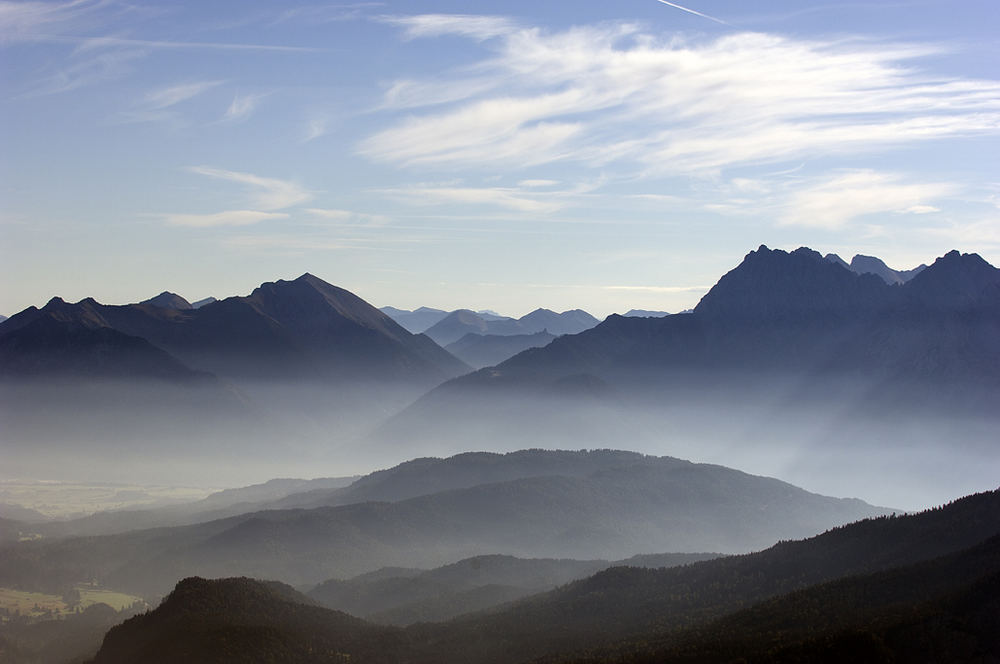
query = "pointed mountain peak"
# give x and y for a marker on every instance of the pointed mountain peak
(168, 300)
(955, 279)
(837, 260)
(799, 284)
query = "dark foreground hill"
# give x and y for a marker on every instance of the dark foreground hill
(884, 588)
(606, 504)
(242, 620)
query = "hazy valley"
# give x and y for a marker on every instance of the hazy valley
(495, 489)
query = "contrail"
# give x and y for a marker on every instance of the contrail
(691, 11)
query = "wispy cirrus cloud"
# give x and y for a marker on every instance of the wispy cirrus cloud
(348, 216)
(21, 21)
(266, 193)
(88, 71)
(243, 106)
(225, 218)
(594, 95)
(834, 202)
(474, 26)
(174, 94)
(510, 198)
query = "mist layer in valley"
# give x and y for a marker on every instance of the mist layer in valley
(846, 379)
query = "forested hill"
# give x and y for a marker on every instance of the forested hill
(848, 589)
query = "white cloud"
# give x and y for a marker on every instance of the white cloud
(348, 216)
(175, 94)
(316, 126)
(464, 25)
(505, 197)
(21, 20)
(268, 194)
(91, 71)
(599, 94)
(838, 200)
(243, 106)
(226, 218)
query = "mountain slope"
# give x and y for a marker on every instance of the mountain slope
(886, 576)
(626, 504)
(486, 350)
(407, 596)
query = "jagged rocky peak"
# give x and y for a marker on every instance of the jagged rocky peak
(802, 283)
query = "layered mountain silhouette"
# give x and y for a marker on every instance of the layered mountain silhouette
(415, 321)
(594, 505)
(887, 589)
(788, 350)
(454, 326)
(304, 328)
(401, 596)
(296, 365)
(872, 265)
(486, 350)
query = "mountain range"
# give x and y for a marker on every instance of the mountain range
(907, 588)
(293, 363)
(788, 351)
(448, 327)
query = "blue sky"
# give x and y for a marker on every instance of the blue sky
(601, 155)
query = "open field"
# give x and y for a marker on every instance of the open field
(19, 602)
(60, 500)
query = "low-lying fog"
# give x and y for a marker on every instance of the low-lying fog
(908, 459)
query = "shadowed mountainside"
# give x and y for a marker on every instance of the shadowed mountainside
(874, 576)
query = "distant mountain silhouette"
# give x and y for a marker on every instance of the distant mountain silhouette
(871, 265)
(460, 322)
(644, 313)
(486, 350)
(567, 322)
(303, 328)
(202, 302)
(415, 321)
(167, 300)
